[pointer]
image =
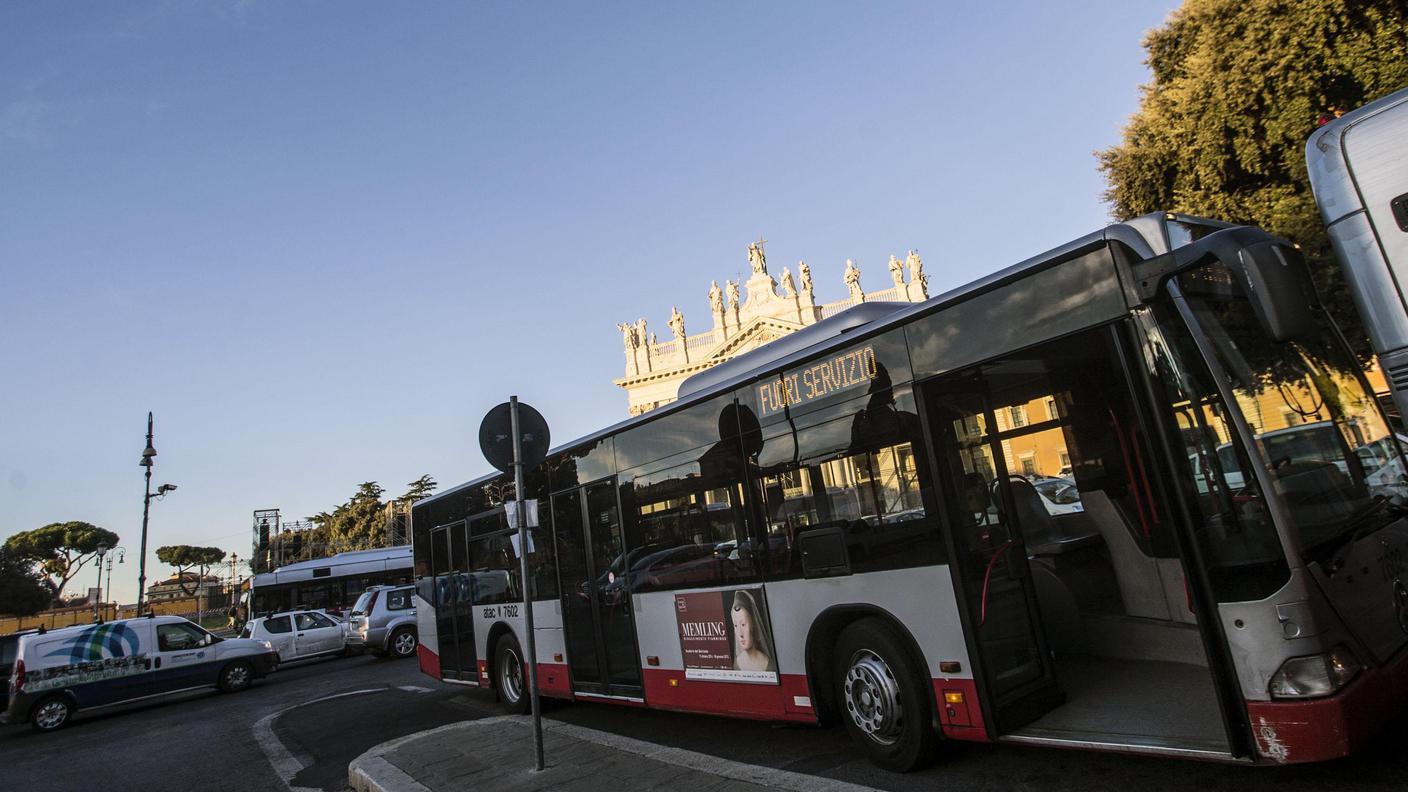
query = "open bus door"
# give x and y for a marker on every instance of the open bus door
(989, 552)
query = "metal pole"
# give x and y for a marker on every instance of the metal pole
(522, 519)
(146, 509)
(98, 603)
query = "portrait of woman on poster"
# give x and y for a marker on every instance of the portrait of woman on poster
(750, 634)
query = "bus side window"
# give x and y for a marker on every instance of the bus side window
(856, 469)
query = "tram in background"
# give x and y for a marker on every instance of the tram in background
(845, 526)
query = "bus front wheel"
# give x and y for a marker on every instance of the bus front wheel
(508, 676)
(882, 697)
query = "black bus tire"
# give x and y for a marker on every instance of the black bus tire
(236, 676)
(509, 679)
(51, 713)
(883, 698)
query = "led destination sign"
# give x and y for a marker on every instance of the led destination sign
(818, 381)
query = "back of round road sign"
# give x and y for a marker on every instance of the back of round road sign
(496, 436)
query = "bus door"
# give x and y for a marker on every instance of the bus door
(595, 591)
(989, 551)
(454, 623)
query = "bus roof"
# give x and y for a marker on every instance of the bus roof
(349, 563)
(1147, 234)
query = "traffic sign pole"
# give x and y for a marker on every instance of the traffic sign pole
(521, 518)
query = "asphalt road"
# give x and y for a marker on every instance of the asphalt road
(299, 728)
(207, 742)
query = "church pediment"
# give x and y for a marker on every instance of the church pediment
(751, 336)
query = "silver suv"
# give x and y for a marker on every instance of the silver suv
(384, 622)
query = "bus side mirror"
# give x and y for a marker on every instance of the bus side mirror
(1282, 294)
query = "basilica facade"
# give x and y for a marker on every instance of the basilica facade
(770, 310)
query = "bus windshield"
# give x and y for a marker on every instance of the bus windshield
(1318, 431)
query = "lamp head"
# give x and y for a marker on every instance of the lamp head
(147, 455)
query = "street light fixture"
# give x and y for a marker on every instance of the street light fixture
(98, 600)
(121, 553)
(148, 454)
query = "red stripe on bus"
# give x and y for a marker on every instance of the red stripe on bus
(668, 689)
(960, 720)
(554, 680)
(429, 661)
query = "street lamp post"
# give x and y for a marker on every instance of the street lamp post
(121, 553)
(147, 457)
(98, 600)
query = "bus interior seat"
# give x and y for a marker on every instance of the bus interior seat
(1038, 526)
(1060, 615)
(1151, 588)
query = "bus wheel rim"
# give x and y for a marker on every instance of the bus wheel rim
(872, 697)
(51, 714)
(405, 643)
(512, 676)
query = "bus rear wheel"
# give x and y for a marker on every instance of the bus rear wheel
(882, 697)
(509, 677)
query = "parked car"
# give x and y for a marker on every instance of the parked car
(87, 667)
(1059, 495)
(383, 621)
(299, 635)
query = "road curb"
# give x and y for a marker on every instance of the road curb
(371, 772)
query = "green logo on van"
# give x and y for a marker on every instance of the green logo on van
(99, 642)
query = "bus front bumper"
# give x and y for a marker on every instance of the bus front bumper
(1315, 730)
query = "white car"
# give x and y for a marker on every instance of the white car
(1059, 496)
(299, 635)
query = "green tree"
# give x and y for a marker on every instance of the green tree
(60, 550)
(1238, 87)
(358, 524)
(187, 557)
(22, 590)
(418, 489)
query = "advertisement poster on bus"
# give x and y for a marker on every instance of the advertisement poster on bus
(726, 636)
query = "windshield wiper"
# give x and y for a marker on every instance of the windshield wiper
(1357, 526)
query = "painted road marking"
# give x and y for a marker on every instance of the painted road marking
(285, 764)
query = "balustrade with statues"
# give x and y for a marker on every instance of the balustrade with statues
(654, 370)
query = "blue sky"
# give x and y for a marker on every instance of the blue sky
(320, 240)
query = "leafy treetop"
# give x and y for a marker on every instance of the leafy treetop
(60, 549)
(22, 590)
(1238, 87)
(185, 557)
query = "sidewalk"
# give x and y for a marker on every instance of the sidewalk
(497, 754)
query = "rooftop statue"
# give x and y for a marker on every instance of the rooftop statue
(757, 259)
(853, 279)
(677, 323)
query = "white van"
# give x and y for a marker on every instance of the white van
(60, 672)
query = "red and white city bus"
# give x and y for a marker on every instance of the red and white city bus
(1133, 494)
